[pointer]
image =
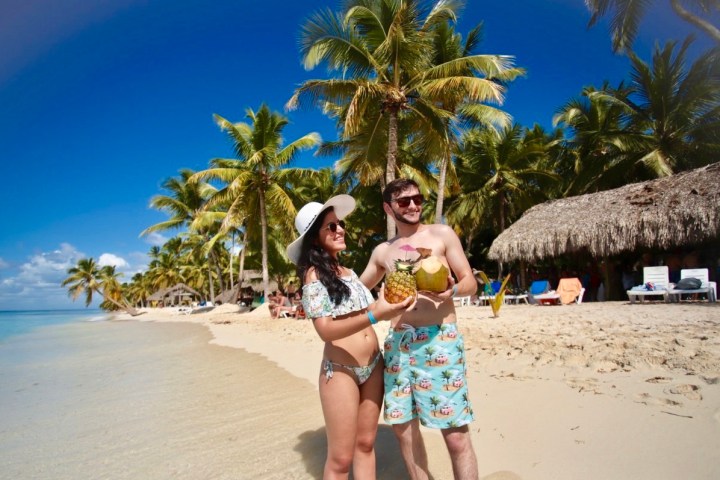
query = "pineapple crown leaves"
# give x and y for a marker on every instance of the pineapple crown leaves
(407, 265)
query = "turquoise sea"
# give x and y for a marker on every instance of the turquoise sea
(23, 321)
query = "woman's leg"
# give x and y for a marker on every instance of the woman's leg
(340, 398)
(371, 393)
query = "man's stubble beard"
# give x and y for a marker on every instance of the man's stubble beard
(401, 219)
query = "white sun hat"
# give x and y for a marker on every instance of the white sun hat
(343, 205)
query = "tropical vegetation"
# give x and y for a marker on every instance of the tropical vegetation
(412, 96)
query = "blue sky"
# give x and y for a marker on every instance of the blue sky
(102, 100)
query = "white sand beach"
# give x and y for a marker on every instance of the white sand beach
(591, 391)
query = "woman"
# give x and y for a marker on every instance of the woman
(342, 310)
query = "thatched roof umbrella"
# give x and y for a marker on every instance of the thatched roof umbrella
(660, 214)
(174, 291)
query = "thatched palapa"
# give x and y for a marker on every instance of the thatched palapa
(658, 214)
(173, 293)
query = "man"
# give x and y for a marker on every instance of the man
(424, 353)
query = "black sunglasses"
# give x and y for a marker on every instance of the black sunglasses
(405, 201)
(332, 226)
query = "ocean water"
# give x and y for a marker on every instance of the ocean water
(23, 321)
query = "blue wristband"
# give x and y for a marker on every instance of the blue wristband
(371, 317)
(454, 291)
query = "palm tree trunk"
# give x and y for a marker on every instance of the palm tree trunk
(232, 280)
(702, 24)
(441, 188)
(264, 250)
(130, 310)
(241, 268)
(391, 165)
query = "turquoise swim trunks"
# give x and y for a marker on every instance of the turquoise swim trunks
(425, 376)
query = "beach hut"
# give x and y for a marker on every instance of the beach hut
(681, 209)
(175, 295)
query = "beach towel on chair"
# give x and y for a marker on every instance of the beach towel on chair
(569, 289)
(539, 287)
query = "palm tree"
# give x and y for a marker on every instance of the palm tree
(87, 278)
(627, 14)
(254, 183)
(383, 49)
(448, 46)
(186, 206)
(500, 178)
(672, 111)
(598, 139)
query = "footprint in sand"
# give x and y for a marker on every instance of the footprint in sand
(659, 380)
(584, 385)
(647, 399)
(710, 380)
(691, 392)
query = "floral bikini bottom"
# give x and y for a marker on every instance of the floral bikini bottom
(361, 374)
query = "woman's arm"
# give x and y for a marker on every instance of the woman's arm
(329, 328)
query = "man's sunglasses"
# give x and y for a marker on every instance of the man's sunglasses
(332, 226)
(405, 201)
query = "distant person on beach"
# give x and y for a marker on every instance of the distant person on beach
(343, 312)
(425, 367)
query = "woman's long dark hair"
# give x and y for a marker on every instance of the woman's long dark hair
(326, 267)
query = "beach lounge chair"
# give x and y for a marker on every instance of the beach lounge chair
(489, 292)
(706, 286)
(570, 290)
(540, 293)
(461, 301)
(656, 282)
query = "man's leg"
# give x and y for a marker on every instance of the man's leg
(412, 448)
(461, 451)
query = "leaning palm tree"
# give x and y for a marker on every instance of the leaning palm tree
(87, 278)
(255, 183)
(627, 14)
(383, 51)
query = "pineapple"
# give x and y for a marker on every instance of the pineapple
(400, 284)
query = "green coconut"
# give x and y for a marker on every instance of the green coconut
(432, 275)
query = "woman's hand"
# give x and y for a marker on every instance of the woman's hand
(384, 310)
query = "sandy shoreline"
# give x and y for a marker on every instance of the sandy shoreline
(592, 391)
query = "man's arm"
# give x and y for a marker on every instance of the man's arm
(374, 271)
(466, 283)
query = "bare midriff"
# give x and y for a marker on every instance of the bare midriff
(359, 349)
(427, 312)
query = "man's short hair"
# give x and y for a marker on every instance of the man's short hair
(396, 186)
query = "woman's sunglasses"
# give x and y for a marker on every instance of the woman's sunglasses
(405, 201)
(332, 226)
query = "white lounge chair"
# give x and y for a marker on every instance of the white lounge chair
(461, 301)
(659, 277)
(707, 287)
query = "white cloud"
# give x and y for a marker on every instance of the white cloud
(112, 260)
(36, 283)
(156, 239)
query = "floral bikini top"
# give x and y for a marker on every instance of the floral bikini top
(317, 302)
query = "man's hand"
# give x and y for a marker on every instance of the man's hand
(442, 296)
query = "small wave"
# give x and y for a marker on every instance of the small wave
(98, 318)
